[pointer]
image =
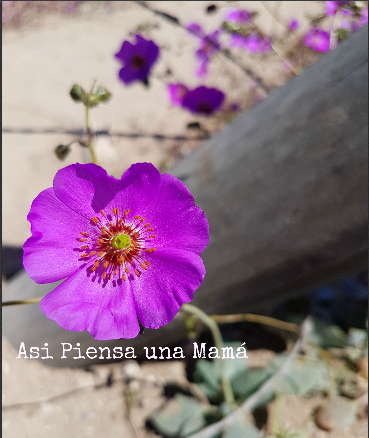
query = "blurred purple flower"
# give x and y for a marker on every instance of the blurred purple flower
(138, 59)
(209, 45)
(253, 43)
(70, 7)
(257, 44)
(234, 107)
(195, 27)
(317, 39)
(293, 24)
(237, 41)
(177, 92)
(201, 69)
(331, 7)
(240, 16)
(203, 100)
(364, 17)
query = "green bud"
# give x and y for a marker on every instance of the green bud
(78, 94)
(62, 151)
(101, 95)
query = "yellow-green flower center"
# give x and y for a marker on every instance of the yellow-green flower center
(121, 241)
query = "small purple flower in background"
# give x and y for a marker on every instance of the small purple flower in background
(203, 100)
(195, 27)
(331, 7)
(257, 44)
(138, 59)
(209, 45)
(240, 16)
(253, 43)
(317, 39)
(293, 25)
(237, 41)
(129, 249)
(177, 93)
(364, 17)
(234, 107)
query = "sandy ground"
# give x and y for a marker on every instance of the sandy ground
(40, 64)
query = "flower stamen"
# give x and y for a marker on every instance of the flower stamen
(117, 244)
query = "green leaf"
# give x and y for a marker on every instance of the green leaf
(357, 338)
(181, 416)
(327, 336)
(78, 94)
(101, 95)
(208, 374)
(303, 375)
(247, 383)
(241, 428)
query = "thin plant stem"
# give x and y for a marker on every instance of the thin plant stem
(260, 319)
(333, 29)
(27, 301)
(90, 142)
(287, 63)
(218, 341)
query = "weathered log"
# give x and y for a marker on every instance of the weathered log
(284, 188)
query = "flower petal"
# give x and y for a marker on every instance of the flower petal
(81, 302)
(177, 222)
(48, 254)
(170, 280)
(85, 188)
(139, 185)
(167, 205)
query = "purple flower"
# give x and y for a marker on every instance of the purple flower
(331, 7)
(317, 39)
(201, 69)
(253, 43)
(240, 16)
(257, 44)
(293, 24)
(177, 93)
(364, 17)
(138, 59)
(209, 45)
(234, 107)
(203, 100)
(237, 41)
(129, 249)
(195, 27)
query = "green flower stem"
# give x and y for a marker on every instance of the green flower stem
(218, 341)
(90, 142)
(260, 319)
(28, 301)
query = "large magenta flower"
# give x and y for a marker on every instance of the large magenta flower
(129, 249)
(138, 59)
